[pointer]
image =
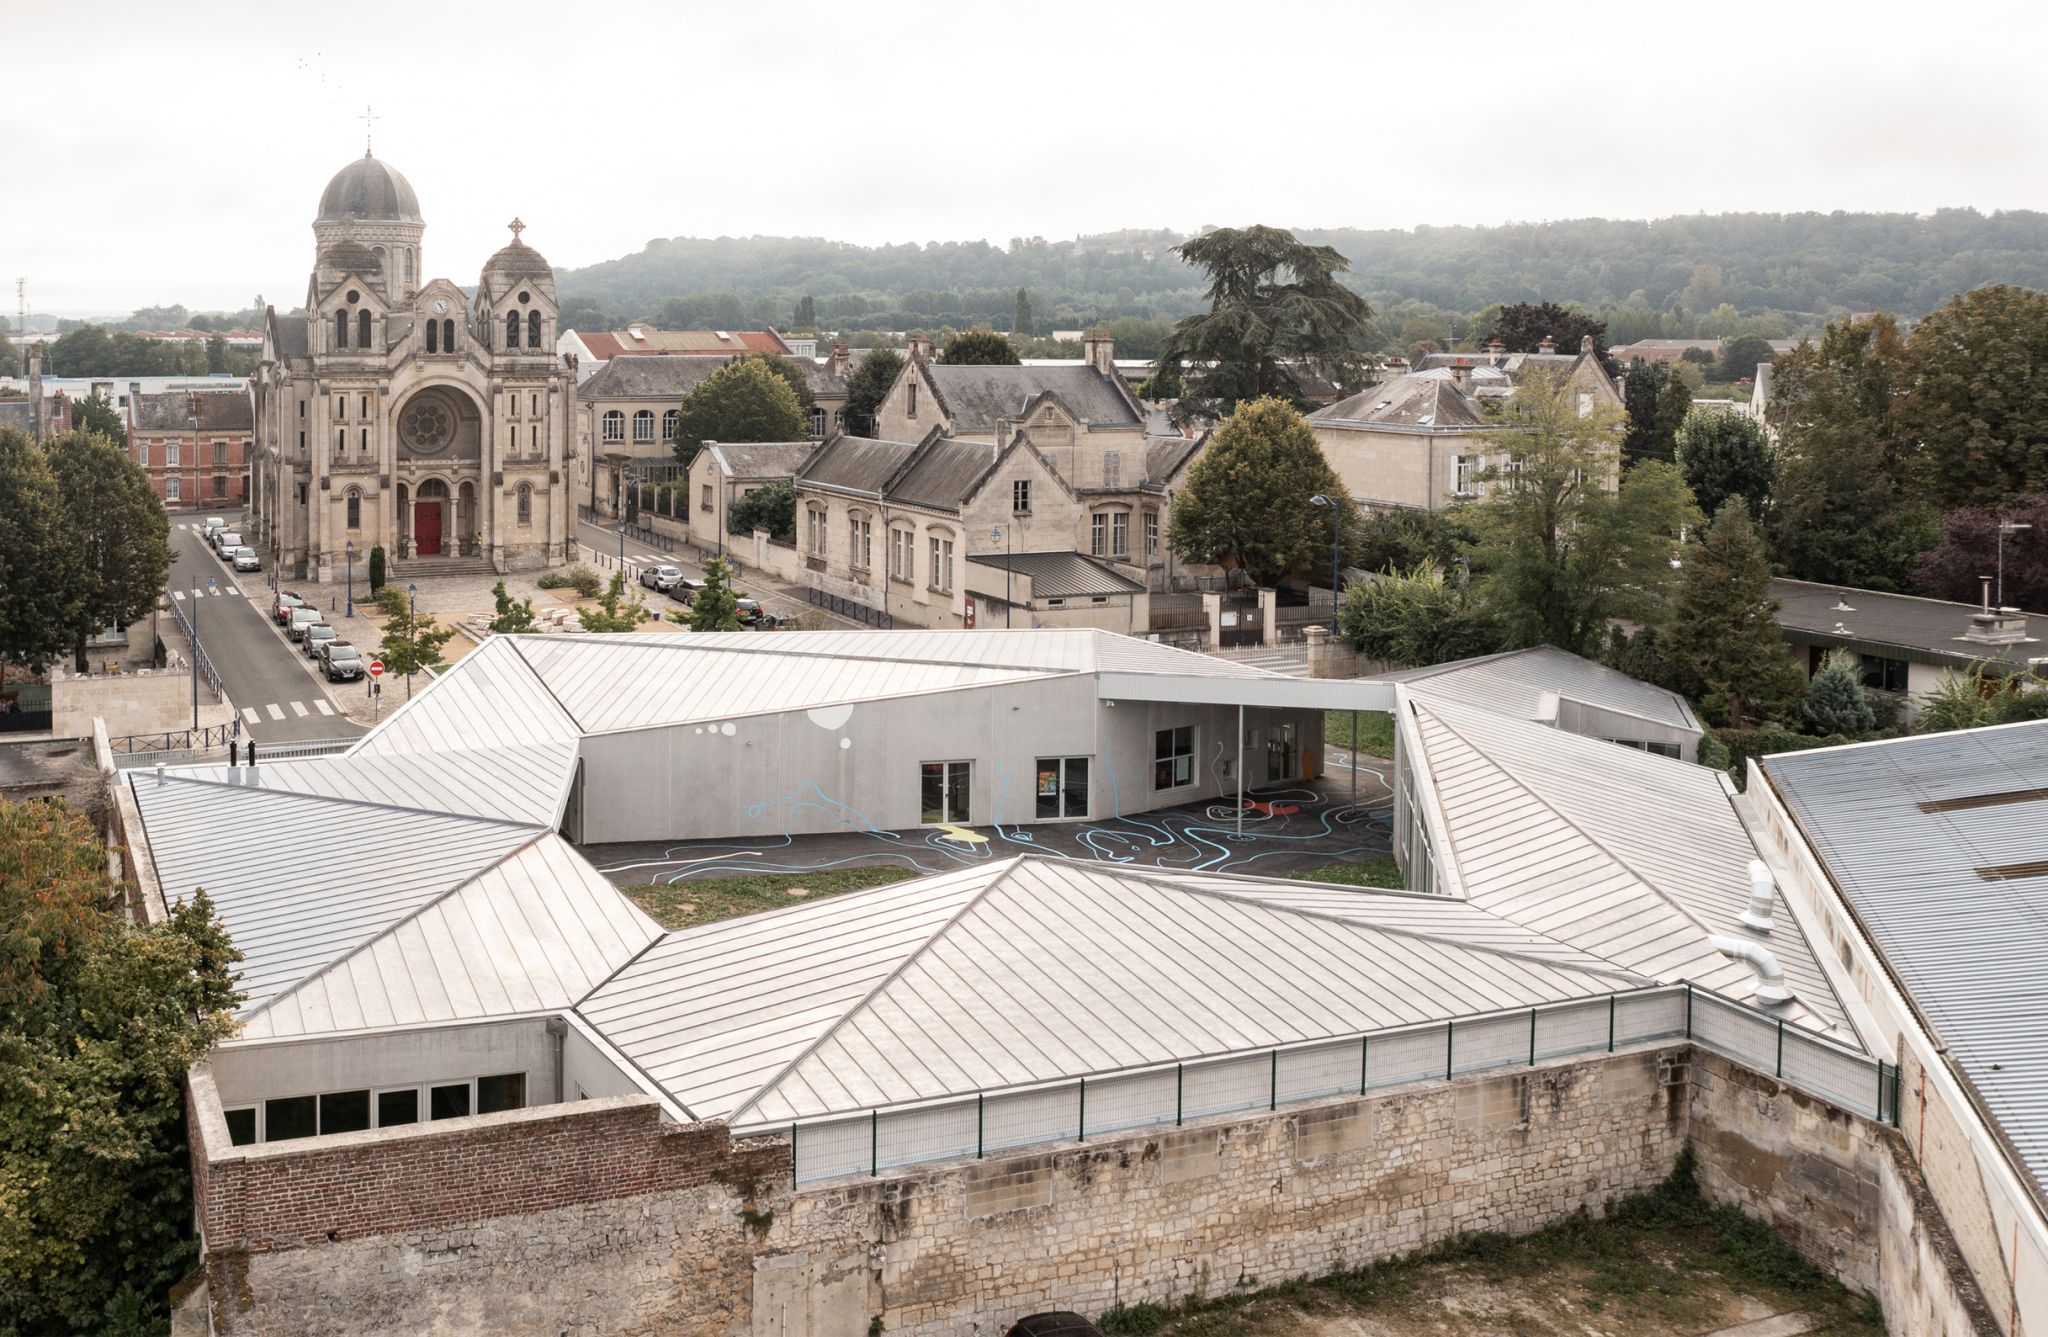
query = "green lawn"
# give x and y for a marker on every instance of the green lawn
(1378, 870)
(687, 904)
(1375, 731)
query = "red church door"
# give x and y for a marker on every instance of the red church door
(426, 526)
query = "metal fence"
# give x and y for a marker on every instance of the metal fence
(198, 650)
(1170, 1095)
(638, 533)
(859, 612)
(175, 740)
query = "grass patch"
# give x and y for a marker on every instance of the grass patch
(687, 904)
(1662, 1261)
(1376, 870)
(1375, 731)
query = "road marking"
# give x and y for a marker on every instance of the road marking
(275, 713)
(249, 713)
(179, 595)
(323, 707)
(232, 590)
(299, 709)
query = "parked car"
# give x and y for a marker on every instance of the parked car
(214, 524)
(749, 611)
(684, 590)
(660, 579)
(226, 543)
(302, 618)
(281, 607)
(314, 636)
(247, 560)
(341, 661)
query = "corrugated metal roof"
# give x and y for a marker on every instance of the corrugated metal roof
(1968, 950)
(1026, 971)
(301, 880)
(1634, 858)
(536, 931)
(1514, 682)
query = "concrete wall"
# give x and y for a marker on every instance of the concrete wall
(858, 769)
(1593, 721)
(133, 701)
(243, 1073)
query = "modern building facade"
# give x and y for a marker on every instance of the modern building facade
(400, 413)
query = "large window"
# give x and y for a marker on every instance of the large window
(511, 329)
(945, 786)
(355, 508)
(1062, 786)
(1020, 497)
(526, 503)
(1879, 674)
(533, 329)
(668, 424)
(1120, 534)
(362, 329)
(860, 538)
(1098, 535)
(220, 453)
(643, 425)
(220, 485)
(290, 1117)
(902, 552)
(1173, 758)
(1151, 536)
(817, 421)
(171, 489)
(815, 516)
(614, 425)
(942, 565)
(171, 455)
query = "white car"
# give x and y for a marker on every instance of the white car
(226, 542)
(247, 560)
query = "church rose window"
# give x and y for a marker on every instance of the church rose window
(427, 427)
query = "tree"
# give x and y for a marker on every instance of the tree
(1742, 355)
(716, 607)
(868, 386)
(95, 414)
(1725, 455)
(1979, 399)
(1969, 550)
(979, 347)
(1559, 555)
(1274, 304)
(216, 356)
(771, 506)
(1405, 540)
(1835, 702)
(1845, 510)
(409, 648)
(1726, 648)
(117, 530)
(1408, 619)
(806, 315)
(99, 1021)
(513, 615)
(1246, 502)
(1020, 316)
(1523, 326)
(377, 568)
(41, 590)
(799, 384)
(614, 612)
(582, 313)
(741, 401)
(1642, 390)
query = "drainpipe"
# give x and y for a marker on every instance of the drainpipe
(1770, 977)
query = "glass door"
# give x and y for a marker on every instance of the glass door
(1062, 787)
(944, 791)
(1280, 756)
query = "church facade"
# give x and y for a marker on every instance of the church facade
(399, 413)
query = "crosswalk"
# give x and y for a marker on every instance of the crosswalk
(275, 711)
(217, 590)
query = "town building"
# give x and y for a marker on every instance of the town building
(401, 414)
(1425, 438)
(723, 473)
(194, 446)
(592, 350)
(1906, 645)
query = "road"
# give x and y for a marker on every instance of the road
(773, 595)
(271, 684)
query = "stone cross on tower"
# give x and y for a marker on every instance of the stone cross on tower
(517, 228)
(366, 118)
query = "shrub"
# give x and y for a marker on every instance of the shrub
(376, 568)
(553, 580)
(583, 580)
(392, 599)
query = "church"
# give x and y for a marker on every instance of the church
(398, 413)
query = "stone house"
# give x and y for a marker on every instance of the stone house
(194, 446)
(1083, 419)
(723, 472)
(1422, 438)
(891, 526)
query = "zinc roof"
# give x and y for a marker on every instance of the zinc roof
(523, 783)
(1940, 845)
(1515, 681)
(1059, 575)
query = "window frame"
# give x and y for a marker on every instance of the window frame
(613, 426)
(422, 1105)
(1174, 759)
(643, 417)
(1020, 496)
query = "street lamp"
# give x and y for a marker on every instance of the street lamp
(350, 549)
(1336, 550)
(2005, 527)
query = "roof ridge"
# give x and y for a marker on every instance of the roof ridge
(396, 924)
(260, 788)
(718, 641)
(520, 653)
(1007, 867)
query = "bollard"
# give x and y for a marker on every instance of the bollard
(234, 754)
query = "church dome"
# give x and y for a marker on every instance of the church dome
(519, 259)
(351, 257)
(369, 191)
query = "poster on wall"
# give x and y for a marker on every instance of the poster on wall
(970, 614)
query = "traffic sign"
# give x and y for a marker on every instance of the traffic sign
(376, 668)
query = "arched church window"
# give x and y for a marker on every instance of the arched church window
(526, 503)
(341, 329)
(355, 508)
(433, 336)
(408, 264)
(448, 336)
(511, 329)
(362, 329)
(532, 329)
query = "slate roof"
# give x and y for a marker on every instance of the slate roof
(1166, 456)
(1061, 575)
(1940, 846)
(760, 459)
(291, 336)
(218, 411)
(1886, 624)
(1421, 399)
(974, 397)
(649, 377)
(370, 191)
(943, 474)
(856, 463)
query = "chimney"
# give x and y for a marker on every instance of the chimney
(1098, 350)
(39, 413)
(1397, 365)
(1585, 345)
(1762, 898)
(1461, 375)
(1995, 626)
(1548, 345)
(1495, 348)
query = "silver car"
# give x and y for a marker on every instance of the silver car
(660, 579)
(246, 559)
(314, 636)
(225, 541)
(303, 618)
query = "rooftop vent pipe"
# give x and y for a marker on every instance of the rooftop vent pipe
(1762, 898)
(1770, 978)
(159, 772)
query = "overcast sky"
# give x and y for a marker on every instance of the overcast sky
(175, 153)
